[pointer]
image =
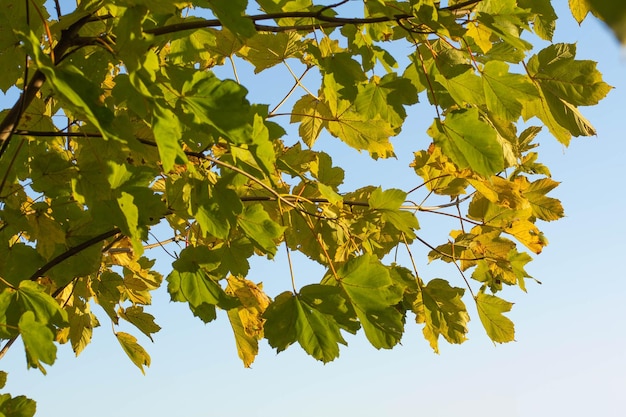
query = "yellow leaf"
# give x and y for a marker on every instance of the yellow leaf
(481, 36)
(247, 321)
(580, 9)
(528, 234)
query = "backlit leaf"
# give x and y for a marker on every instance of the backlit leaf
(313, 115)
(544, 208)
(440, 308)
(579, 9)
(469, 142)
(262, 230)
(247, 320)
(264, 50)
(490, 310)
(167, 134)
(362, 134)
(140, 319)
(370, 290)
(290, 319)
(135, 352)
(32, 297)
(506, 92)
(221, 105)
(38, 341)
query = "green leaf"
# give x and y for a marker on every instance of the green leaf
(290, 319)
(360, 133)
(200, 292)
(214, 208)
(388, 203)
(131, 226)
(281, 316)
(190, 282)
(260, 228)
(565, 83)
(385, 98)
(19, 262)
(323, 170)
(167, 131)
(19, 406)
(194, 46)
(33, 298)
(135, 352)
(469, 142)
(370, 290)
(234, 256)
(577, 82)
(390, 199)
(221, 105)
(345, 71)
(38, 341)
(329, 300)
(490, 310)
(544, 21)
(13, 20)
(505, 93)
(505, 20)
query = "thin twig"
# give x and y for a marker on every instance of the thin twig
(469, 287)
(445, 255)
(427, 182)
(7, 345)
(298, 80)
(57, 6)
(271, 113)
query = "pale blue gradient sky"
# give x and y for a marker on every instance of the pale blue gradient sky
(569, 358)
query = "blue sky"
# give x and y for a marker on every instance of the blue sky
(569, 357)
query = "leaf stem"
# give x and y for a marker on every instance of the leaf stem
(469, 287)
(232, 63)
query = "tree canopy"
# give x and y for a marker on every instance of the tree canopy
(127, 139)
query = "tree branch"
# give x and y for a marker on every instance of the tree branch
(323, 21)
(12, 119)
(73, 251)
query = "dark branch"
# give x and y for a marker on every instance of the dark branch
(322, 21)
(73, 251)
(12, 119)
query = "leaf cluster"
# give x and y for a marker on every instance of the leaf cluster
(124, 127)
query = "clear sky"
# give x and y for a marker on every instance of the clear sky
(569, 358)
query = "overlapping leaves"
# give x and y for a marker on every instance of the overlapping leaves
(155, 135)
